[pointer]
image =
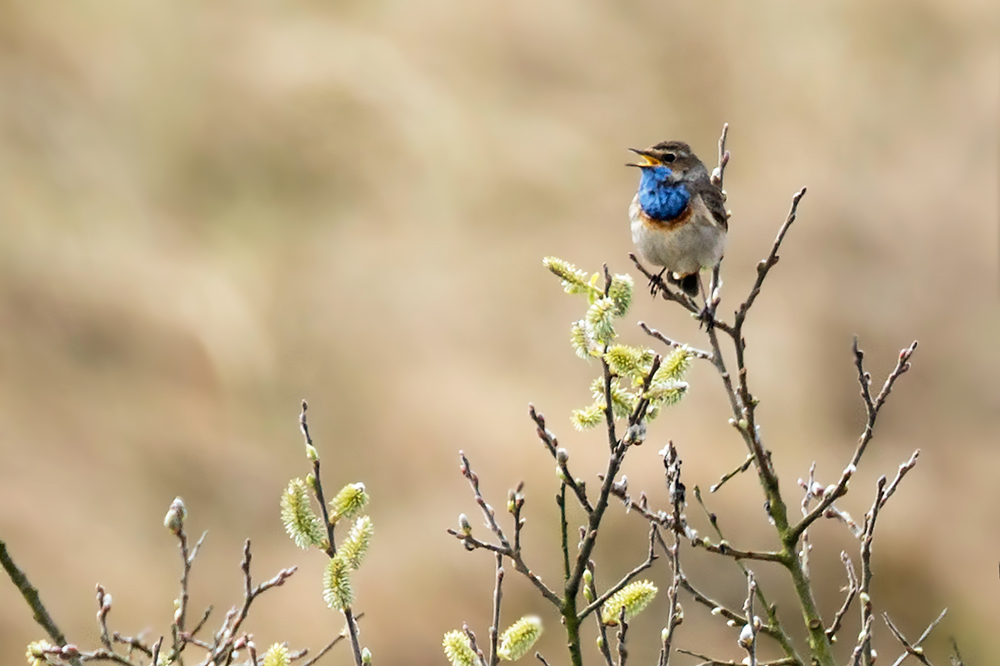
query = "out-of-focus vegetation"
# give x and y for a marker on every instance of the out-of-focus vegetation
(209, 211)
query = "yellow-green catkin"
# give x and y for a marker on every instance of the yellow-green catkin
(36, 653)
(458, 649)
(277, 655)
(519, 637)
(633, 598)
(337, 590)
(302, 525)
(349, 502)
(355, 546)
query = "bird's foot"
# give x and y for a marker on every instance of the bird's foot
(706, 318)
(656, 283)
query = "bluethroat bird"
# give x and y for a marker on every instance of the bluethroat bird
(679, 218)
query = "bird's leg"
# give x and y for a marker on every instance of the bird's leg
(656, 283)
(707, 317)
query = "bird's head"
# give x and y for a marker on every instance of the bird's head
(667, 160)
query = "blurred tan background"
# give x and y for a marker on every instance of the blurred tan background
(209, 211)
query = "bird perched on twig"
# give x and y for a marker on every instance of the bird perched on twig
(679, 218)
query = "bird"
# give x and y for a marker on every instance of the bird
(678, 215)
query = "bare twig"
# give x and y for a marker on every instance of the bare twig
(652, 332)
(626, 579)
(729, 475)
(622, 632)
(34, 601)
(329, 646)
(578, 487)
(852, 590)
(748, 636)
(956, 655)
(331, 545)
(590, 592)
(495, 628)
(872, 407)
(863, 640)
(916, 652)
(709, 661)
(719, 172)
(914, 648)
(472, 643)
(505, 546)
(866, 569)
(222, 652)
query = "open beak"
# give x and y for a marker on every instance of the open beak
(648, 160)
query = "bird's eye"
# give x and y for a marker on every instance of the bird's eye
(669, 157)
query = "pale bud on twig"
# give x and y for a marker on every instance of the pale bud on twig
(174, 520)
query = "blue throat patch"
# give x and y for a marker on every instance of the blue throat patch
(660, 199)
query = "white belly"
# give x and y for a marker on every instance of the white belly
(689, 248)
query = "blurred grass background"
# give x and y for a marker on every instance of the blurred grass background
(209, 211)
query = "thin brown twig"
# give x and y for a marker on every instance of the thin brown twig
(602, 628)
(495, 628)
(653, 333)
(33, 599)
(915, 646)
(852, 590)
(625, 580)
(709, 661)
(505, 547)
(866, 570)
(872, 407)
(578, 487)
(622, 634)
(750, 645)
(744, 466)
(223, 651)
(329, 646)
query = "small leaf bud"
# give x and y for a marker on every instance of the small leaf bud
(636, 433)
(562, 455)
(311, 453)
(463, 522)
(366, 656)
(174, 520)
(746, 637)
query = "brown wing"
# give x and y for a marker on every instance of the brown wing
(716, 204)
